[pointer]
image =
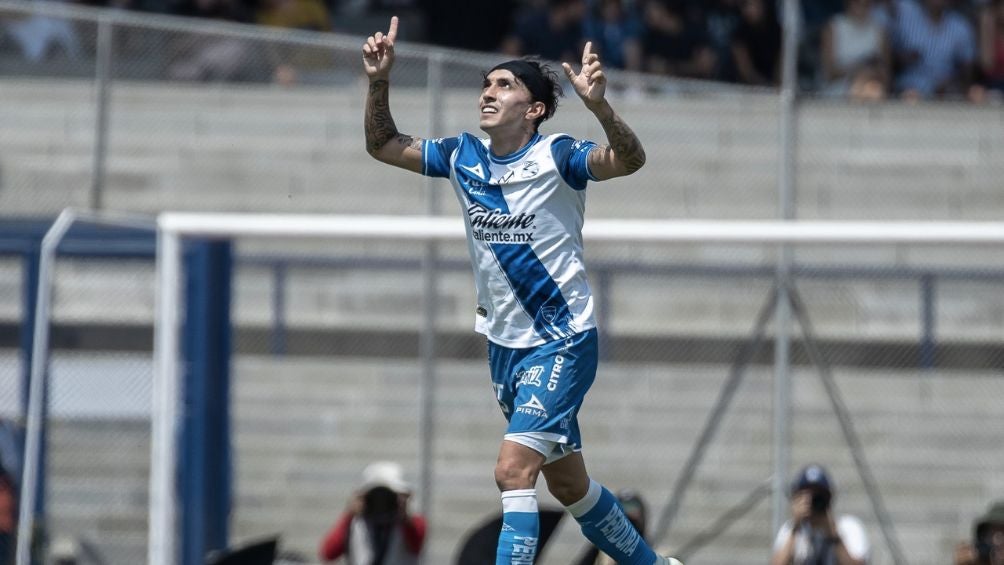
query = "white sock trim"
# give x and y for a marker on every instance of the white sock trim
(522, 500)
(578, 509)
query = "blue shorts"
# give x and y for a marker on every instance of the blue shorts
(540, 390)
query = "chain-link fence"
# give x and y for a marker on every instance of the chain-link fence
(11, 363)
(98, 408)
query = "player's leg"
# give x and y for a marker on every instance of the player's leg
(516, 474)
(597, 511)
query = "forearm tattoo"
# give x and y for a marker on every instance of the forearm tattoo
(380, 126)
(624, 144)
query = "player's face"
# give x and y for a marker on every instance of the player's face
(504, 102)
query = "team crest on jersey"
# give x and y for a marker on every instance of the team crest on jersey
(548, 313)
(530, 169)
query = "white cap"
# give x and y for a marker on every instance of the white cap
(385, 474)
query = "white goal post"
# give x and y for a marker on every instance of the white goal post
(173, 228)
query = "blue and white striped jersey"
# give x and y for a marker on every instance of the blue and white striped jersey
(523, 214)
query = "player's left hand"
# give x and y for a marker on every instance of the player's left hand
(590, 83)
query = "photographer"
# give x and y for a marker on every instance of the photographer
(987, 547)
(814, 536)
(376, 528)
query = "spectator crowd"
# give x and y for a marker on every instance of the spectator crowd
(863, 49)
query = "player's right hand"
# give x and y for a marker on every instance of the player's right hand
(378, 52)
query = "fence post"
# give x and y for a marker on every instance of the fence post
(787, 131)
(430, 292)
(102, 72)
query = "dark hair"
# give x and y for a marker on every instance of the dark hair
(538, 78)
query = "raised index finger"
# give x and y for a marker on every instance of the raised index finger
(587, 51)
(392, 31)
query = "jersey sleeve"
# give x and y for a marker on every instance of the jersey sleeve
(571, 159)
(436, 155)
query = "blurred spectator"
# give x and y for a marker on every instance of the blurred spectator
(40, 37)
(674, 45)
(992, 45)
(211, 57)
(634, 508)
(816, 14)
(552, 33)
(933, 47)
(987, 545)
(447, 23)
(813, 534)
(756, 43)
(721, 20)
(376, 527)
(290, 61)
(856, 59)
(10, 448)
(616, 33)
(226, 10)
(8, 516)
(310, 15)
(359, 7)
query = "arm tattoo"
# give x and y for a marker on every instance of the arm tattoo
(410, 141)
(624, 144)
(379, 123)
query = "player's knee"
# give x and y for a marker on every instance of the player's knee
(515, 475)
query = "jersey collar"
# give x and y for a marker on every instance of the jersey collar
(517, 154)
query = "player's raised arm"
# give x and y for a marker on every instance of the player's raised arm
(383, 141)
(624, 154)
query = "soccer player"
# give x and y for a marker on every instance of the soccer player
(523, 198)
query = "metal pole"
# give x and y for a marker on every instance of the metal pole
(786, 208)
(36, 397)
(103, 77)
(163, 458)
(430, 283)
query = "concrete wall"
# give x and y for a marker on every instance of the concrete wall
(275, 150)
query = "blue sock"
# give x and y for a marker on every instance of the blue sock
(604, 523)
(520, 528)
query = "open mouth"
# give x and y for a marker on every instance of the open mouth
(489, 110)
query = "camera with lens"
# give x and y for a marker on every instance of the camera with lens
(820, 502)
(380, 501)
